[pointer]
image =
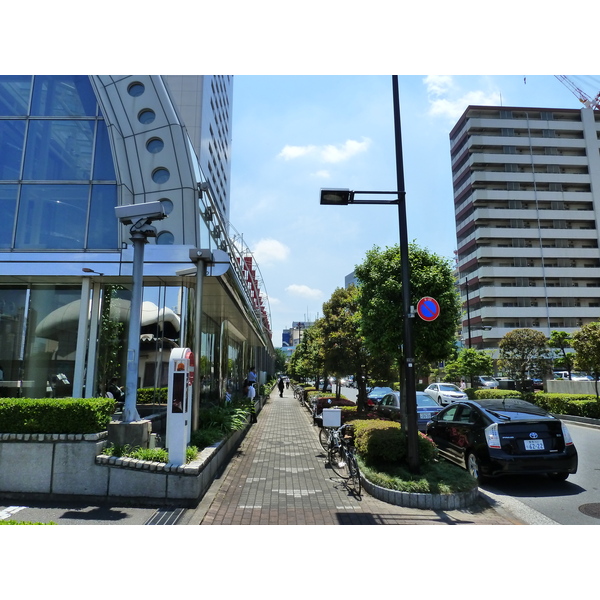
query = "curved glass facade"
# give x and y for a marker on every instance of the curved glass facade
(58, 186)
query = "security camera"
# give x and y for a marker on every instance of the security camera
(150, 211)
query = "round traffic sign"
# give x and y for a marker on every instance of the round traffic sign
(428, 308)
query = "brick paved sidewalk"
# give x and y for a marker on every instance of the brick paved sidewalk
(279, 476)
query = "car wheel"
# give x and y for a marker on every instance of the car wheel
(472, 464)
(558, 476)
(440, 401)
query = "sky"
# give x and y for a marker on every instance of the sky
(293, 135)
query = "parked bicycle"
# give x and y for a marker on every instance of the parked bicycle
(341, 456)
(329, 437)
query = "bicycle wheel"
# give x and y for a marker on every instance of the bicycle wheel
(324, 437)
(354, 473)
(338, 460)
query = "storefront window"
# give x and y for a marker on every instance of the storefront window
(50, 341)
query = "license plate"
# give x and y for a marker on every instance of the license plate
(425, 415)
(534, 444)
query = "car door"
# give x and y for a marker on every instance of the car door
(386, 405)
(431, 391)
(460, 432)
(441, 430)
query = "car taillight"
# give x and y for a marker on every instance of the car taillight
(566, 435)
(492, 437)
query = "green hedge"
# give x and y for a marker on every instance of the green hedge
(152, 395)
(480, 393)
(578, 405)
(55, 415)
(384, 442)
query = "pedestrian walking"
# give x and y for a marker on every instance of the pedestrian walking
(281, 386)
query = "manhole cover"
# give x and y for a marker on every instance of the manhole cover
(591, 510)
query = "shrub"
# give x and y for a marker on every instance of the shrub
(55, 415)
(579, 405)
(224, 418)
(152, 395)
(206, 437)
(384, 442)
(482, 393)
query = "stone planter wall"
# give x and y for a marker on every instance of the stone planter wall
(53, 466)
(423, 501)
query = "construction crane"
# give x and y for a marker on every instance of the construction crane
(585, 99)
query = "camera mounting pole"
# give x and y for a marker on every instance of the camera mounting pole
(140, 217)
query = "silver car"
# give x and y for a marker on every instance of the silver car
(445, 393)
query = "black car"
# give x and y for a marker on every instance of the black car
(503, 436)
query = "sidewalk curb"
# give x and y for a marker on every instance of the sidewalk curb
(420, 500)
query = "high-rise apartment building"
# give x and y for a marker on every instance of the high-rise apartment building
(205, 105)
(527, 204)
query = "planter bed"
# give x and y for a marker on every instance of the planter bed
(72, 467)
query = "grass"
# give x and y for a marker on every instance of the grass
(13, 522)
(152, 454)
(438, 477)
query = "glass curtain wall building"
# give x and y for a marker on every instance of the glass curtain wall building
(72, 149)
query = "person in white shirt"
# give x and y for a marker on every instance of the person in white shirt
(250, 393)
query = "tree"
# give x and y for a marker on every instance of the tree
(560, 341)
(523, 354)
(469, 363)
(280, 360)
(586, 342)
(380, 277)
(307, 359)
(343, 345)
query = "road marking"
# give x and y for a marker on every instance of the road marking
(9, 511)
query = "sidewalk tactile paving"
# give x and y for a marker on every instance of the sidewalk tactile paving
(279, 476)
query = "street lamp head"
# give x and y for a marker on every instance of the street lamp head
(336, 197)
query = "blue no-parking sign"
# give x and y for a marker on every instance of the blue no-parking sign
(428, 308)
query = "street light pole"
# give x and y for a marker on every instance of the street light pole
(408, 353)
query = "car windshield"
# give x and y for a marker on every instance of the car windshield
(487, 379)
(380, 391)
(425, 400)
(448, 387)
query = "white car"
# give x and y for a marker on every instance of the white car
(485, 381)
(445, 393)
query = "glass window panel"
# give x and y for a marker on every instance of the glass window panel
(14, 95)
(63, 96)
(59, 150)
(52, 217)
(12, 135)
(103, 228)
(104, 166)
(8, 202)
(12, 313)
(49, 363)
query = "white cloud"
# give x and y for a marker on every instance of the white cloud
(329, 153)
(447, 99)
(322, 174)
(438, 84)
(291, 152)
(269, 251)
(336, 154)
(304, 291)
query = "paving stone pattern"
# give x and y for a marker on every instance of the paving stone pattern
(279, 476)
